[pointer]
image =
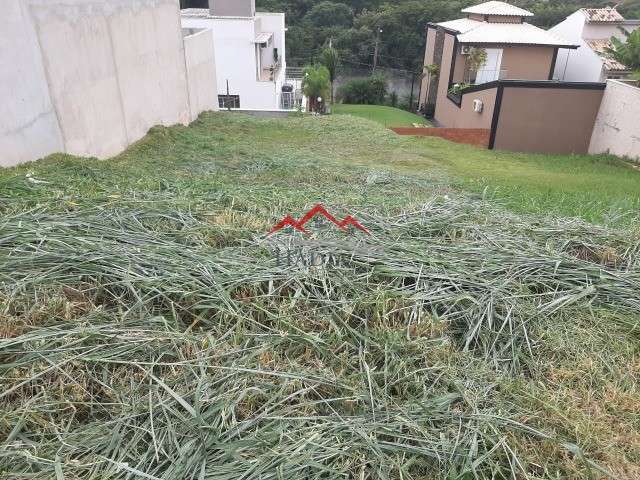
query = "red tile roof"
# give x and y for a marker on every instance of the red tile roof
(601, 48)
(603, 15)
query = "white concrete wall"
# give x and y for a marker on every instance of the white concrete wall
(201, 72)
(275, 23)
(115, 69)
(236, 56)
(581, 65)
(617, 129)
(600, 31)
(233, 8)
(28, 123)
(88, 77)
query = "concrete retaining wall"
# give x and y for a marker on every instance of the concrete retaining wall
(90, 77)
(28, 123)
(201, 72)
(617, 128)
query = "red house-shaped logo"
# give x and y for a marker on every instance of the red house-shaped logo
(318, 210)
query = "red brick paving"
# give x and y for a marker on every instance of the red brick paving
(470, 136)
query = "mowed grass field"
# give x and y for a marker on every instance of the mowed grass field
(596, 188)
(387, 116)
(602, 188)
(483, 330)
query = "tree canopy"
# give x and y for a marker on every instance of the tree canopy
(352, 25)
(329, 14)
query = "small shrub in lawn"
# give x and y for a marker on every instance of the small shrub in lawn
(365, 91)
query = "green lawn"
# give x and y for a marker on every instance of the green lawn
(387, 116)
(597, 188)
(149, 327)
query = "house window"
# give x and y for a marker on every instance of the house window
(229, 101)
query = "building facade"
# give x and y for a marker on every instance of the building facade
(250, 53)
(511, 94)
(592, 29)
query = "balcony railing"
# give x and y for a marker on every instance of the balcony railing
(295, 73)
(291, 100)
(485, 76)
(472, 79)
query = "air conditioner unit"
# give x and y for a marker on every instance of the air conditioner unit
(478, 106)
(466, 49)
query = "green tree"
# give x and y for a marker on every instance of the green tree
(330, 59)
(364, 91)
(316, 84)
(330, 14)
(353, 25)
(476, 59)
(627, 53)
(629, 8)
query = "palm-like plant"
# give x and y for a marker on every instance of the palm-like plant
(316, 84)
(330, 59)
(627, 53)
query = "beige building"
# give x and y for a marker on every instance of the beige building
(511, 94)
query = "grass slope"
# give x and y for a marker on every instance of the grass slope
(597, 188)
(148, 330)
(387, 116)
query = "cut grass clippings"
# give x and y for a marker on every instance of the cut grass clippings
(149, 330)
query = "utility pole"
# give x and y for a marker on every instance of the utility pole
(376, 51)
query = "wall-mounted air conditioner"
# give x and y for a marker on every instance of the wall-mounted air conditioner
(465, 50)
(478, 106)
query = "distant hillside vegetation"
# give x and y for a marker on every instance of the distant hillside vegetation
(352, 25)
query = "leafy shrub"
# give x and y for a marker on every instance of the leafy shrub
(628, 52)
(365, 91)
(316, 84)
(458, 88)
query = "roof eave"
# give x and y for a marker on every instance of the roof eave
(446, 29)
(523, 15)
(516, 12)
(618, 70)
(606, 22)
(513, 44)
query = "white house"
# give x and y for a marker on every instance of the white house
(250, 53)
(592, 29)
